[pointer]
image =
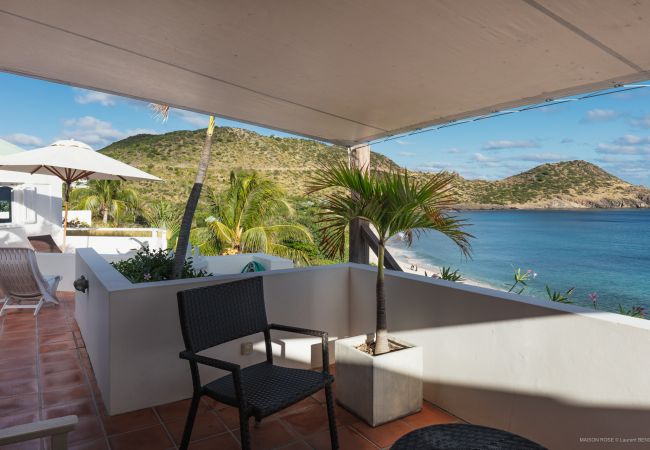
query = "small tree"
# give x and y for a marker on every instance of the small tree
(392, 203)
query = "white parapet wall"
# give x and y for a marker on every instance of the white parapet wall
(553, 373)
(132, 331)
(115, 241)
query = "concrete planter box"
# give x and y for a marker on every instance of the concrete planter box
(378, 388)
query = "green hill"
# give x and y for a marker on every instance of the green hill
(567, 184)
(174, 158)
(291, 162)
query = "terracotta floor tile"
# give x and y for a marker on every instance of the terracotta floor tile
(74, 394)
(177, 410)
(82, 408)
(16, 363)
(205, 425)
(384, 435)
(95, 444)
(18, 404)
(269, 434)
(223, 441)
(153, 438)
(430, 415)
(344, 416)
(18, 374)
(230, 417)
(300, 406)
(122, 423)
(18, 387)
(59, 366)
(59, 380)
(51, 338)
(308, 421)
(59, 356)
(88, 429)
(18, 353)
(348, 440)
(28, 335)
(299, 445)
(57, 346)
(18, 419)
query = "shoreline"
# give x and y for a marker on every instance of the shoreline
(406, 259)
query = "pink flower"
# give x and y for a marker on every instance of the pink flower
(146, 276)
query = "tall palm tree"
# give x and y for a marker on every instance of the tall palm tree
(110, 199)
(162, 111)
(392, 202)
(247, 219)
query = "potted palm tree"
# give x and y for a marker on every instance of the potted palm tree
(392, 203)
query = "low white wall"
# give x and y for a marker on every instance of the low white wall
(553, 373)
(115, 245)
(133, 336)
(63, 264)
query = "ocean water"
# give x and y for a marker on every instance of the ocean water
(601, 251)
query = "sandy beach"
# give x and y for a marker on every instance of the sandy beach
(410, 263)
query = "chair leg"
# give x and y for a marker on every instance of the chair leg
(5, 307)
(189, 424)
(244, 431)
(334, 437)
(39, 305)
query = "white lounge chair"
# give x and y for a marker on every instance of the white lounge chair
(22, 281)
(55, 429)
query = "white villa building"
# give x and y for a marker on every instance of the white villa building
(32, 202)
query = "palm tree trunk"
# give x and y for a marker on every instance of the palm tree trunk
(381, 335)
(192, 202)
(105, 216)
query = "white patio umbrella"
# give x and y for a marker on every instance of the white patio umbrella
(72, 161)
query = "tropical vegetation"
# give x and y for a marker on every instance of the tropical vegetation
(107, 199)
(392, 202)
(154, 265)
(251, 216)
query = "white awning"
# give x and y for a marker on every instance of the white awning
(339, 71)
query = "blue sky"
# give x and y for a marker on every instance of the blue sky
(612, 131)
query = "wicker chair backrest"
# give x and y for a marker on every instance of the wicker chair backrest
(216, 314)
(19, 274)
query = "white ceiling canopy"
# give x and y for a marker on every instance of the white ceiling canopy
(343, 71)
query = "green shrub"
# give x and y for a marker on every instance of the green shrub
(154, 265)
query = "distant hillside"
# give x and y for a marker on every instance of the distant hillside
(174, 158)
(568, 184)
(291, 162)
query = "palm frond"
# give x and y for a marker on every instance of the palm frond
(160, 112)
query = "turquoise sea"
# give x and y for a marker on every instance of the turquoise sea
(601, 251)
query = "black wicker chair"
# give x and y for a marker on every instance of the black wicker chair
(217, 314)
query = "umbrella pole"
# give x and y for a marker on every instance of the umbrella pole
(65, 214)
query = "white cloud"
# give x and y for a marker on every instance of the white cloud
(618, 149)
(85, 97)
(600, 115)
(566, 141)
(196, 119)
(407, 154)
(643, 122)
(402, 142)
(23, 139)
(480, 157)
(96, 132)
(504, 143)
(632, 139)
(453, 150)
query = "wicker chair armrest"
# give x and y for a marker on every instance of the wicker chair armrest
(212, 362)
(322, 334)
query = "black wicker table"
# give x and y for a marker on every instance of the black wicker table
(462, 436)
